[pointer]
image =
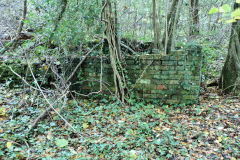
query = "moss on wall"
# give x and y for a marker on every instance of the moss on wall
(174, 78)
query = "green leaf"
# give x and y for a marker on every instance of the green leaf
(213, 10)
(236, 13)
(225, 8)
(61, 143)
(237, 1)
(26, 21)
(9, 144)
(133, 155)
(222, 19)
(230, 21)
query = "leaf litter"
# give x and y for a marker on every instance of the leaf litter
(141, 131)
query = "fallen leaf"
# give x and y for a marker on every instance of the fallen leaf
(219, 139)
(61, 143)
(85, 126)
(49, 135)
(9, 144)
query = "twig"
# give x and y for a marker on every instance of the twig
(19, 145)
(34, 124)
(10, 141)
(28, 151)
(101, 83)
(102, 11)
(142, 74)
(26, 81)
(127, 47)
(45, 97)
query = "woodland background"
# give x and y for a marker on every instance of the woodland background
(42, 123)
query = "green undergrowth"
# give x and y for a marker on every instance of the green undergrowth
(107, 130)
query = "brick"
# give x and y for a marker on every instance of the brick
(161, 92)
(164, 68)
(180, 68)
(173, 82)
(150, 86)
(172, 101)
(162, 87)
(175, 77)
(157, 63)
(157, 76)
(172, 68)
(156, 67)
(169, 63)
(145, 81)
(165, 72)
(172, 86)
(164, 77)
(184, 72)
(165, 58)
(193, 58)
(150, 96)
(153, 72)
(172, 72)
(181, 63)
(158, 81)
(177, 57)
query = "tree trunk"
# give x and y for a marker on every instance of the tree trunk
(174, 30)
(230, 77)
(114, 49)
(156, 30)
(169, 25)
(59, 18)
(194, 18)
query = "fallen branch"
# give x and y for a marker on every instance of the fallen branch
(28, 151)
(127, 47)
(51, 106)
(8, 45)
(43, 114)
(142, 74)
(46, 91)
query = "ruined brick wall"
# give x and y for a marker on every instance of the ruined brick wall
(174, 78)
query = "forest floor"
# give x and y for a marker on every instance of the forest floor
(210, 130)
